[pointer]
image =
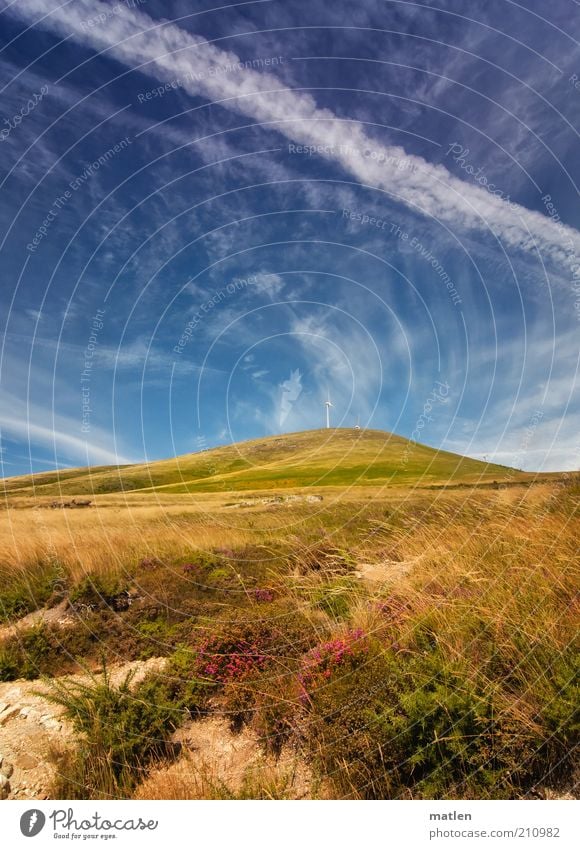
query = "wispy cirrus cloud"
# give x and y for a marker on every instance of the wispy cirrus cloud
(89, 452)
(38, 408)
(34, 424)
(167, 52)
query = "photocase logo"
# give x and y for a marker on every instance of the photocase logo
(32, 822)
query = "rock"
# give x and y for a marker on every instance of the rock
(8, 714)
(4, 787)
(27, 762)
(6, 769)
(52, 724)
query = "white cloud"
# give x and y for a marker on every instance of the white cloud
(61, 440)
(268, 284)
(551, 444)
(167, 52)
(290, 390)
(32, 412)
(136, 354)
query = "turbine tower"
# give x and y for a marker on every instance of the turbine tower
(328, 404)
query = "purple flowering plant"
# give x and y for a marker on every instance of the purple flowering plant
(321, 662)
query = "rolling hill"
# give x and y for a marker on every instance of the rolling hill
(317, 458)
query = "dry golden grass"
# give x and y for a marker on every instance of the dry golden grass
(109, 536)
(483, 584)
(192, 778)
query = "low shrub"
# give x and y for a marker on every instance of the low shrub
(180, 684)
(275, 702)
(45, 650)
(262, 595)
(156, 637)
(248, 641)
(107, 591)
(122, 731)
(382, 724)
(10, 662)
(26, 656)
(243, 652)
(559, 715)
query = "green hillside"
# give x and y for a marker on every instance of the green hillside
(307, 459)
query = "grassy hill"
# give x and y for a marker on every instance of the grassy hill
(315, 458)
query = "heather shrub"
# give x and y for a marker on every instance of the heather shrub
(251, 639)
(275, 703)
(241, 654)
(263, 595)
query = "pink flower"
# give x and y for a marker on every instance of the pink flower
(263, 595)
(321, 662)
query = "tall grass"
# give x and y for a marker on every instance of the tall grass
(422, 645)
(110, 536)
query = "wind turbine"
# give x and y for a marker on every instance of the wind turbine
(328, 404)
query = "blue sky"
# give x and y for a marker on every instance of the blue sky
(211, 217)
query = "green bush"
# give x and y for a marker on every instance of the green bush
(386, 725)
(9, 662)
(155, 635)
(122, 731)
(44, 650)
(100, 591)
(180, 684)
(559, 713)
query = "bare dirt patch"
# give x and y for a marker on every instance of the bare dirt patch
(216, 763)
(31, 727)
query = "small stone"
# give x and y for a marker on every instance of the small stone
(4, 787)
(24, 712)
(6, 770)
(7, 714)
(27, 762)
(52, 724)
